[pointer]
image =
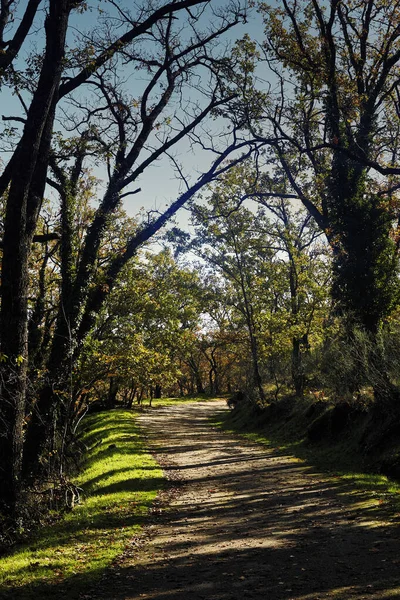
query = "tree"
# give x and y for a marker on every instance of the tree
(272, 267)
(296, 235)
(229, 243)
(168, 46)
(144, 327)
(332, 119)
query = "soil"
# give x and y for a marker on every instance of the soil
(242, 521)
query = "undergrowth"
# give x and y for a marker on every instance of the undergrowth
(120, 480)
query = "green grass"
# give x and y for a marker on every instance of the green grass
(178, 400)
(340, 459)
(120, 481)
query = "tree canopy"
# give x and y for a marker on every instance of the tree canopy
(285, 150)
(79, 111)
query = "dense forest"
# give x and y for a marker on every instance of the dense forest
(285, 149)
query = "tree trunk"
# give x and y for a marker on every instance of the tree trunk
(194, 367)
(211, 382)
(297, 368)
(191, 386)
(199, 384)
(217, 380)
(140, 396)
(257, 380)
(131, 396)
(24, 200)
(112, 393)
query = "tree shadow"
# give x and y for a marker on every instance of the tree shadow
(250, 524)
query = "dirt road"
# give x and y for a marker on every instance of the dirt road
(245, 522)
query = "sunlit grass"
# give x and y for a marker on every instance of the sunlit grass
(178, 400)
(120, 481)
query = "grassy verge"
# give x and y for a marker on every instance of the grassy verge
(120, 481)
(340, 457)
(179, 400)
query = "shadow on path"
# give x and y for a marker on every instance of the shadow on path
(248, 522)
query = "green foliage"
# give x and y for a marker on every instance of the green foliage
(147, 325)
(332, 117)
(119, 481)
(366, 267)
(273, 276)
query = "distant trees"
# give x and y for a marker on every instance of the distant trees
(145, 327)
(274, 279)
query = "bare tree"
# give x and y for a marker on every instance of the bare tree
(167, 51)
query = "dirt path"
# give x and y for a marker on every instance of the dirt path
(247, 523)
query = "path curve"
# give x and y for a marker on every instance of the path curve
(245, 522)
